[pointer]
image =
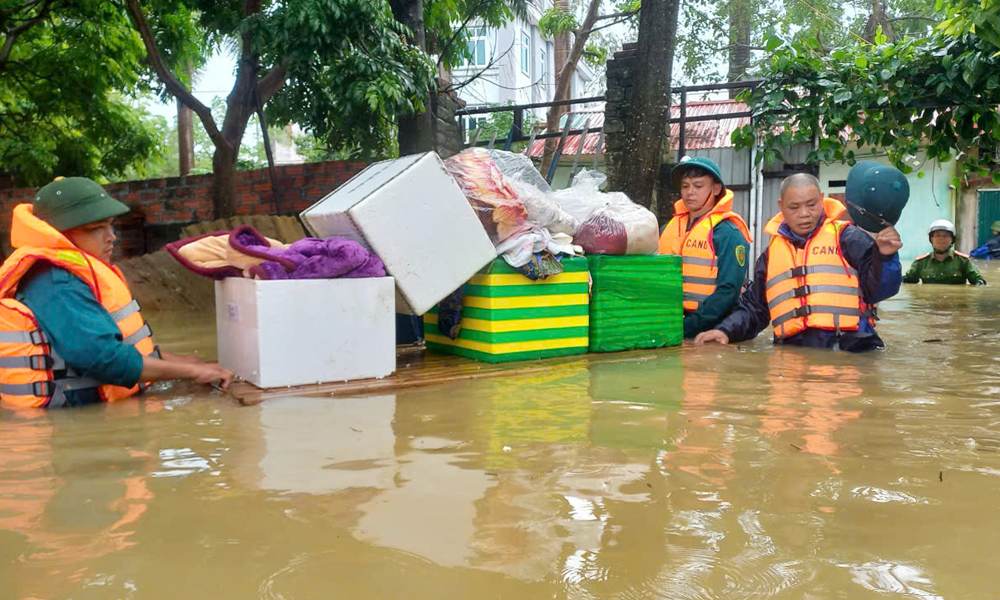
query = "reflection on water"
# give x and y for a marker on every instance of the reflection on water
(717, 472)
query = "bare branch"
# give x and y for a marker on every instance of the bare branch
(492, 63)
(272, 81)
(443, 50)
(618, 15)
(165, 76)
(912, 18)
(13, 34)
(719, 27)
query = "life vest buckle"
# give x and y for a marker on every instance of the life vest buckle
(41, 362)
(799, 271)
(37, 337)
(43, 389)
(801, 292)
(801, 311)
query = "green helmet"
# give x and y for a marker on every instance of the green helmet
(70, 202)
(995, 227)
(695, 161)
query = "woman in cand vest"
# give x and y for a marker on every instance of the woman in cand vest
(70, 331)
(711, 240)
(820, 277)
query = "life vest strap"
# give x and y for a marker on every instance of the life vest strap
(805, 290)
(126, 311)
(692, 297)
(46, 389)
(803, 270)
(143, 333)
(38, 362)
(803, 311)
(696, 260)
(699, 280)
(35, 337)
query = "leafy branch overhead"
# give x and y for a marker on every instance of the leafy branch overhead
(937, 95)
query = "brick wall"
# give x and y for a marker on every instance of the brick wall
(160, 205)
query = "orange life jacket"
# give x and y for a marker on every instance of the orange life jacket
(31, 375)
(813, 286)
(699, 262)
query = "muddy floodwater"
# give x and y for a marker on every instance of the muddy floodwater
(717, 472)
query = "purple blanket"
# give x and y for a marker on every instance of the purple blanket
(308, 258)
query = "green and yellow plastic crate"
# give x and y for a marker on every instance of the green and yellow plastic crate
(508, 317)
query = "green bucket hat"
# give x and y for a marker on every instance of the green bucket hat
(69, 202)
(880, 190)
(697, 161)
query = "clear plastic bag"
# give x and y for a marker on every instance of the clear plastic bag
(490, 193)
(519, 168)
(610, 223)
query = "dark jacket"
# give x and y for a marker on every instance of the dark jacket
(879, 277)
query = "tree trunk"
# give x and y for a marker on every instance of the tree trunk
(739, 42)
(646, 126)
(185, 132)
(565, 70)
(415, 133)
(185, 139)
(224, 182)
(877, 18)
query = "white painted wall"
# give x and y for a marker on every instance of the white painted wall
(930, 199)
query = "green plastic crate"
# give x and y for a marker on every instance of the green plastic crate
(636, 302)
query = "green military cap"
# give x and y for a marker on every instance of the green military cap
(879, 189)
(695, 161)
(69, 202)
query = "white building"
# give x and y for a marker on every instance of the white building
(513, 65)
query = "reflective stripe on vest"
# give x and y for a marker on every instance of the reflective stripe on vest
(36, 240)
(812, 287)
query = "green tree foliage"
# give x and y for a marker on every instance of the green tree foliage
(448, 25)
(706, 40)
(500, 123)
(342, 68)
(980, 17)
(936, 95)
(71, 74)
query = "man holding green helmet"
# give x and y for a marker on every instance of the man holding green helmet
(70, 331)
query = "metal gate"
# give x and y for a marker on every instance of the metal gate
(989, 211)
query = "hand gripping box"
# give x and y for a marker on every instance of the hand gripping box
(412, 214)
(305, 331)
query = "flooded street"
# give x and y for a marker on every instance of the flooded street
(715, 472)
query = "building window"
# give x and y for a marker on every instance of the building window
(477, 47)
(525, 53)
(472, 123)
(543, 76)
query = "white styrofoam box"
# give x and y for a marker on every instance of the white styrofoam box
(303, 331)
(412, 214)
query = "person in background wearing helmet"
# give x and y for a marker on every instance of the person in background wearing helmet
(818, 280)
(991, 249)
(712, 241)
(70, 332)
(944, 265)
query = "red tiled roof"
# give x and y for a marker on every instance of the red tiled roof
(699, 135)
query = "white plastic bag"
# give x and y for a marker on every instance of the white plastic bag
(610, 223)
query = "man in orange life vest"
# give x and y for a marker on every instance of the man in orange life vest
(712, 241)
(819, 278)
(70, 331)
